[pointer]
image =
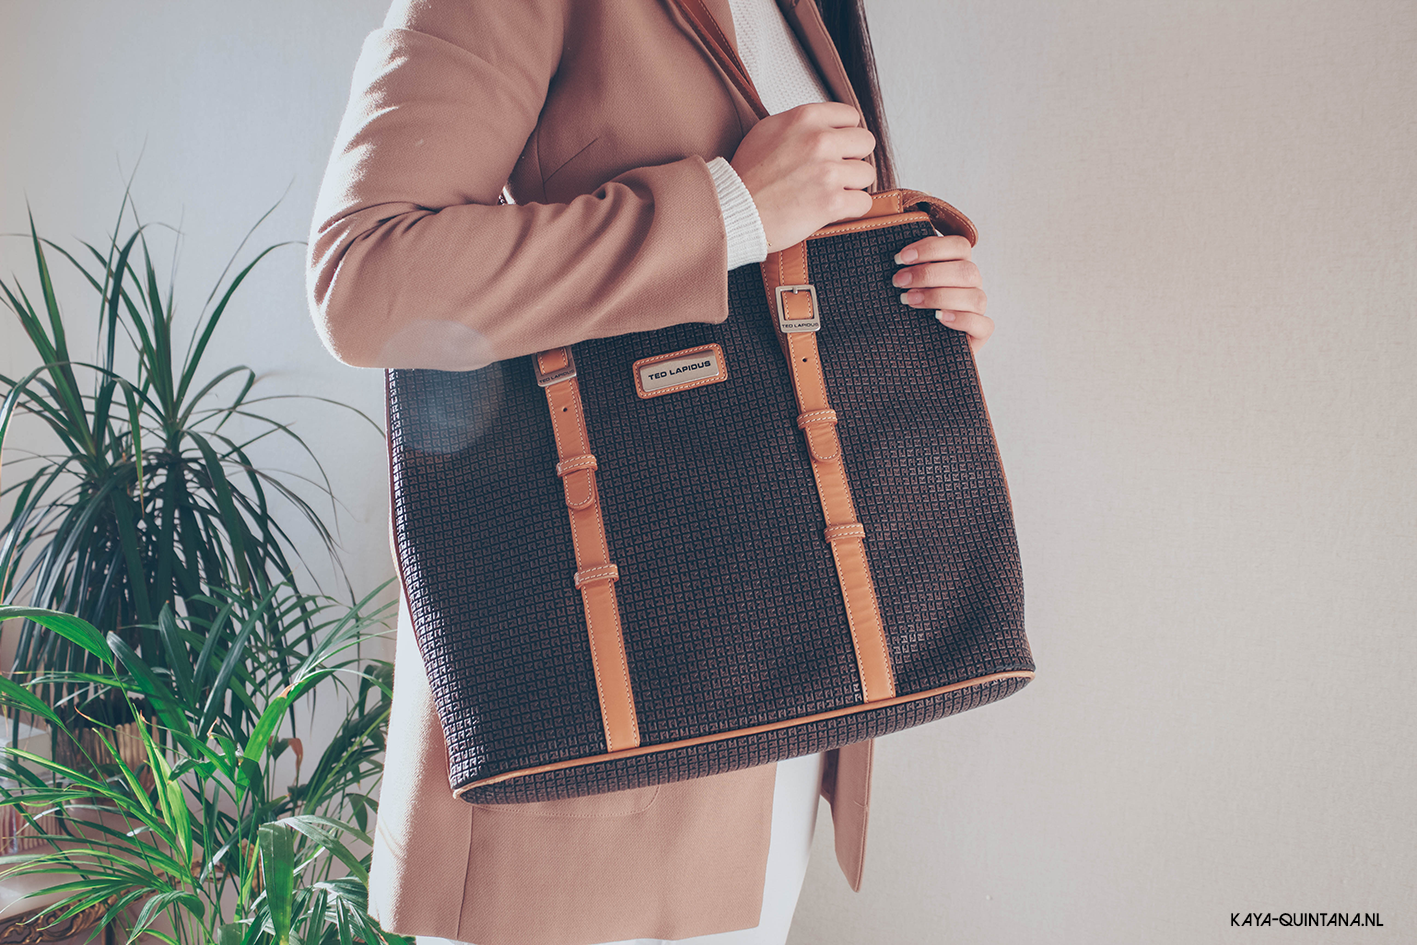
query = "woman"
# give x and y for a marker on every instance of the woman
(611, 127)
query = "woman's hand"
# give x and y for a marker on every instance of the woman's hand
(805, 168)
(938, 275)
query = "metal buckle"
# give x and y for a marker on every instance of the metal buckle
(792, 326)
(546, 379)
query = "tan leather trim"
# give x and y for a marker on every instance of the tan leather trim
(714, 349)
(798, 306)
(894, 207)
(946, 218)
(751, 730)
(818, 423)
(883, 203)
(871, 223)
(595, 575)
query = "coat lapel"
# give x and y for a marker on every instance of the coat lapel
(723, 14)
(806, 22)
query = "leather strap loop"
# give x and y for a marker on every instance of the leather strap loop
(820, 427)
(580, 490)
(806, 420)
(574, 463)
(595, 576)
(604, 574)
(845, 534)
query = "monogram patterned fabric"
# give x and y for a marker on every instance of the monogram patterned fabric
(730, 604)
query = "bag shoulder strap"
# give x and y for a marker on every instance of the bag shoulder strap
(708, 30)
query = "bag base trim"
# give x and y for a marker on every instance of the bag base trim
(1023, 675)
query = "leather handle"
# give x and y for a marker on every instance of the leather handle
(723, 53)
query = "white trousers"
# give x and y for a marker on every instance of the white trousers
(794, 819)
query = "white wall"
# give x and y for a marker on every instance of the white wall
(1198, 241)
(1200, 246)
(231, 107)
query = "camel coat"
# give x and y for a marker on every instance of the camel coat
(598, 115)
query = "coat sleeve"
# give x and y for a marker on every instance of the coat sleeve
(412, 262)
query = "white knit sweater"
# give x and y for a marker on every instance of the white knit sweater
(784, 79)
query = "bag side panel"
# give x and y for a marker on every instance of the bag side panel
(924, 469)
(481, 528)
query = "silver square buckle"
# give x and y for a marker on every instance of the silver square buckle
(797, 324)
(546, 379)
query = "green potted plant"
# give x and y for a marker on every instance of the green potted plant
(201, 841)
(151, 499)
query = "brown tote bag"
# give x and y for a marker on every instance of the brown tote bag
(682, 552)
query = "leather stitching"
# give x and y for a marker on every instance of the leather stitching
(567, 466)
(871, 223)
(577, 468)
(624, 667)
(851, 624)
(876, 614)
(826, 415)
(833, 487)
(831, 450)
(595, 665)
(603, 572)
(844, 531)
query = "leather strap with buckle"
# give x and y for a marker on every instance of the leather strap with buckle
(794, 300)
(595, 575)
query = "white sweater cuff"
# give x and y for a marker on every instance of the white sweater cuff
(747, 243)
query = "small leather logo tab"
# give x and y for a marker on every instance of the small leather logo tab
(680, 370)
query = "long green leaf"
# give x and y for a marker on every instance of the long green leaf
(325, 831)
(16, 696)
(278, 870)
(195, 357)
(169, 794)
(237, 531)
(175, 649)
(234, 659)
(7, 406)
(70, 628)
(147, 682)
(159, 903)
(135, 432)
(260, 737)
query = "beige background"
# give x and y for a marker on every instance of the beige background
(1200, 245)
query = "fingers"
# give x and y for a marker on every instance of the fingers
(934, 249)
(958, 308)
(944, 279)
(849, 204)
(960, 272)
(852, 175)
(828, 114)
(857, 143)
(953, 298)
(977, 327)
(805, 168)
